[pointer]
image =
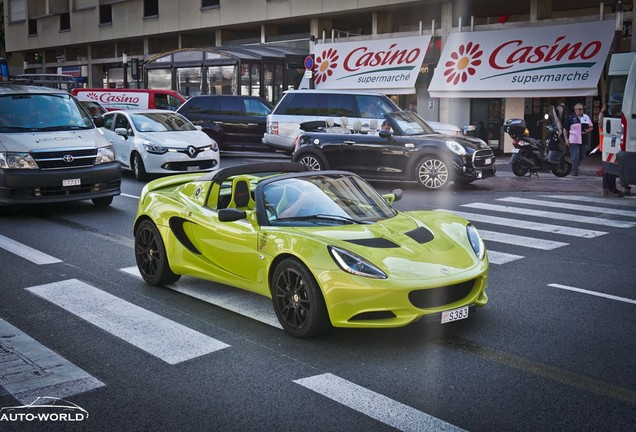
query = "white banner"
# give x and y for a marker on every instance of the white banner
(564, 60)
(385, 65)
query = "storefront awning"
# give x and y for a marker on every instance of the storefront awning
(563, 60)
(385, 65)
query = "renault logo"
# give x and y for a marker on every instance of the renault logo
(192, 152)
(68, 158)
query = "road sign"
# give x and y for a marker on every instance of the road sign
(309, 62)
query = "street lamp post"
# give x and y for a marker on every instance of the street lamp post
(124, 60)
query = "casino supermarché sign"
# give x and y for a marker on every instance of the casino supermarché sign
(528, 62)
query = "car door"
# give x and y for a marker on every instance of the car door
(373, 156)
(122, 144)
(255, 112)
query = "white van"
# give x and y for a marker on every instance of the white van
(619, 123)
(300, 106)
(51, 151)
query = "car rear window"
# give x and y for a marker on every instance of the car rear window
(202, 105)
(310, 104)
(342, 105)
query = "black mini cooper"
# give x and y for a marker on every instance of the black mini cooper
(404, 148)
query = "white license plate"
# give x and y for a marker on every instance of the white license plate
(71, 182)
(488, 161)
(193, 168)
(455, 314)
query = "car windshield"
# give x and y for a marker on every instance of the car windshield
(323, 200)
(161, 122)
(41, 112)
(409, 123)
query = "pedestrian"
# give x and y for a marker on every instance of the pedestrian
(609, 180)
(577, 125)
(412, 107)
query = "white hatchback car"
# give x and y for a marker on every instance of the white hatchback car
(159, 142)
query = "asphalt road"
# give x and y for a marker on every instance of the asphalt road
(552, 351)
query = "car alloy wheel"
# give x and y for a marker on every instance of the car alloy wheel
(298, 301)
(312, 162)
(151, 257)
(432, 173)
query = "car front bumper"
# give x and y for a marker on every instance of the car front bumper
(47, 186)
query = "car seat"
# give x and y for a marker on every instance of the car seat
(241, 195)
(357, 126)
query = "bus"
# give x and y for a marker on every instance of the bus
(56, 81)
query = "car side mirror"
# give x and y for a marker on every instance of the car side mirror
(395, 195)
(384, 134)
(231, 215)
(198, 127)
(122, 131)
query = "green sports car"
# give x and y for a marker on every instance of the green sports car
(323, 245)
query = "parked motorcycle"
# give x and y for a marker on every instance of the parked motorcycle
(531, 155)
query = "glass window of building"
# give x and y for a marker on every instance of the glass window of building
(189, 81)
(105, 14)
(151, 8)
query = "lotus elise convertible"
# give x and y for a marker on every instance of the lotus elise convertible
(326, 247)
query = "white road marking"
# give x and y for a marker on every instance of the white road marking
(236, 300)
(566, 206)
(159, 336)
(495, 257)
(374, 405)
(130, 196)
(628, 201)
(28, 369)
(26, 252)
(594, 293)
(564, 217)
(532, 226)
(518, 240)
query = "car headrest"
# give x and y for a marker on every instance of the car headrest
(344, 122)
(329, 122)
(357, 125)
(373, 124)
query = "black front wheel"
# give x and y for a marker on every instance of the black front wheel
(151, 257)
(103, 201)
(138, 167)
(433, 173)
(298, 301)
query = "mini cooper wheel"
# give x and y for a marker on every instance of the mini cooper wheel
(138, 167)
(313, 162)
(298, 301)
(432, 173)
(151, 257)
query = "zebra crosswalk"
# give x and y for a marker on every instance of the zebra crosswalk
(529, 223)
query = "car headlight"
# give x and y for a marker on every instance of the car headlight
(151, 147)
(355, 264)
(475, 241)
(105, 155)
(456, 147)
(11, 160)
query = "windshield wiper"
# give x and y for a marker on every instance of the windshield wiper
(17, 128)
(327, 217)
(61, 128)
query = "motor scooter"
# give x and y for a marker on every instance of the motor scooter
(531, 155)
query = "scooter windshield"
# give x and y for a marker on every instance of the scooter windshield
(555, 118)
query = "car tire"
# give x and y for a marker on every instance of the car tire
(103, 201)
(433, 173)
(298, 301)
(151, 257)
(138, 167)
(313, 161)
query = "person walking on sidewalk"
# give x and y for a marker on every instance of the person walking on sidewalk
(576, 127)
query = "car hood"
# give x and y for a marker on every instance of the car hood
(469, 142)
(177, 138)
(409, 246)
(30, 141)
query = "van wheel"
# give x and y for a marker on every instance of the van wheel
(103, 201)
(138, 167)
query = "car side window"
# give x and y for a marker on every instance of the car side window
(122, 122)
(311, 104)
(232, 106)
(108, 122)
(341, 105)
(256, 108)
(373, 107)
(173, 103)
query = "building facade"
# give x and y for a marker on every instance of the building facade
(257, 47)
